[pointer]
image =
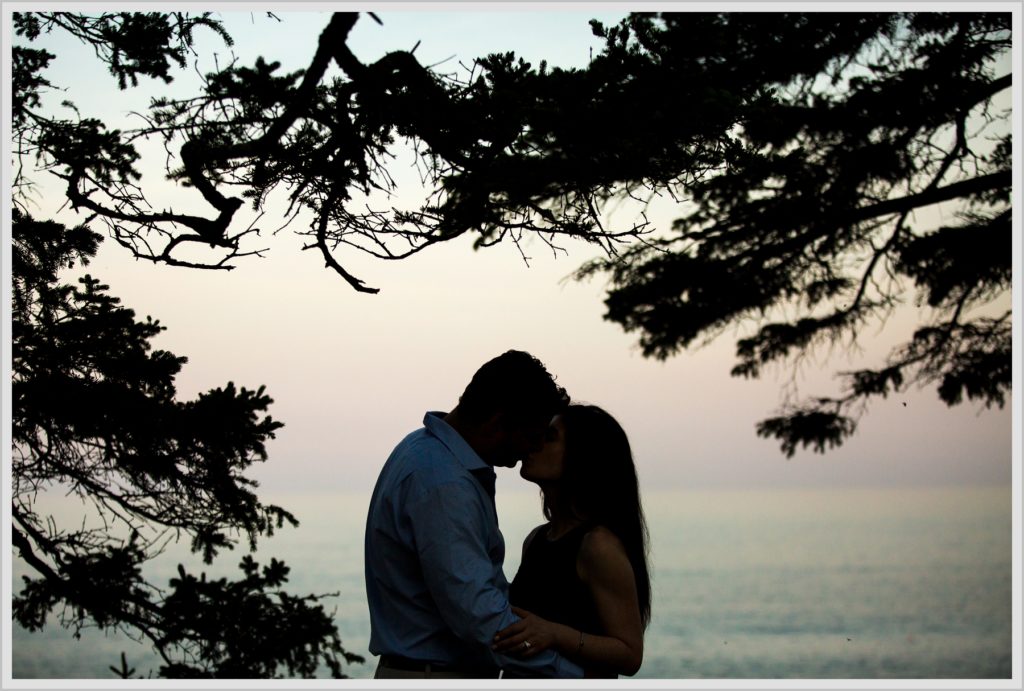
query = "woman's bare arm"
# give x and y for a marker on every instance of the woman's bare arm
(603, 566)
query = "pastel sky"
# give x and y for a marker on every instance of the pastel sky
(352, 373)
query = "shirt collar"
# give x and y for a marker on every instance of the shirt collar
(467, 457)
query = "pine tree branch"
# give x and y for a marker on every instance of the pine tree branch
(975, 185)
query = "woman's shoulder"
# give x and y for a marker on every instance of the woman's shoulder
(600, 547)
(533, 534)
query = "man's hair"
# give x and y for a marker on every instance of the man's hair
(516, 384)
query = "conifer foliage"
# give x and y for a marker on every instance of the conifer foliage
(96, 418)
(828, 167)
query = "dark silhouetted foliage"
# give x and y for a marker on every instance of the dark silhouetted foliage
(804, 149)
(813, 222)
(94, 416)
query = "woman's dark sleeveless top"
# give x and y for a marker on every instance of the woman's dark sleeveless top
(547, 583)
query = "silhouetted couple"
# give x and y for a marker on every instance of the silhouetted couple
(440, 605)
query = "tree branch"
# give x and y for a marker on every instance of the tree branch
(975, 185)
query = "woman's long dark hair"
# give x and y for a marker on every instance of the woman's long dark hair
(599, 484)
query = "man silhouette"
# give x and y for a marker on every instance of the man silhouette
(434, 579)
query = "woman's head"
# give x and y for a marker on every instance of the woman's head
(547, 465)
(585, 463)
(586, 471)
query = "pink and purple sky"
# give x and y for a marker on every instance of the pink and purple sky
(352, 373)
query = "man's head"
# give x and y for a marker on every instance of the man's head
(507, 407)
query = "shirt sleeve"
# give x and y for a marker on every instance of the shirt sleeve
(449, 525)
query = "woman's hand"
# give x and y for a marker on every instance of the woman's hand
(528, 636)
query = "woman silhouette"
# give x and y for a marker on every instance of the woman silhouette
(583, 586)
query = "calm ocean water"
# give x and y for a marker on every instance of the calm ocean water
(854, 583)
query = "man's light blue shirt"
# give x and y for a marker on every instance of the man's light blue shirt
(434, 555)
